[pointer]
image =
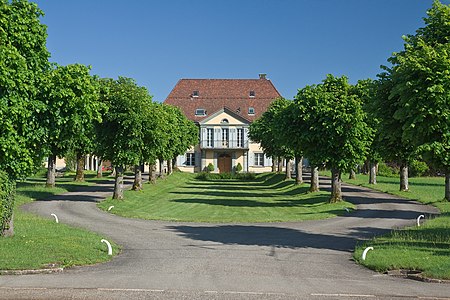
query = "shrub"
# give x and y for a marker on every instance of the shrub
(417, 168)
(225, 176)
(386, 171)
(210, 168)
(7, 193)
(238, 168)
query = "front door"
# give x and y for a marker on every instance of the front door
(224, 163)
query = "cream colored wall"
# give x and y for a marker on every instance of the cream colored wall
(216, 120)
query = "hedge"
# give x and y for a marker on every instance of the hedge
(7, 193)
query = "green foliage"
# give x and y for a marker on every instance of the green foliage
(7, 193)
(421, 84)
(386, 170)
(210, 168)
(333, 123)
(417, 168)
(225, 176)
(73, 108)
(121, 135)
(238, 168)
(265, 130)
(23, 62)
(70, 158)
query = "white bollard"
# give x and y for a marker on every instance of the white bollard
(111, 207)
(109, 246)
(365, 252)
(418, 219)
(56, 218)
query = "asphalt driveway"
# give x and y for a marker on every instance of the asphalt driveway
(169, 260)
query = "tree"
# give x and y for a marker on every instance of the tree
(289, 130)
(121, 134)
(338, 134)
(389, 131)
(264, 131)
(23, 61)
(73, 108)
(421, 85)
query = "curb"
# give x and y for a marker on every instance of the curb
(31, 272)
(415, 275)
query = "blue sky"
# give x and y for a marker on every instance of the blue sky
(296, 42)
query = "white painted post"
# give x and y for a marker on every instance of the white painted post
(109, 246)
(418, 219)
(111, 207)
(56, 218)
(365, 252)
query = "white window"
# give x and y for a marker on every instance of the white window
(240, 137)
(209, 137)
(200, 112)
(252, 94)
(190, 159)
(259, 159)
(225, 136)
(251, 110)
(195, 94)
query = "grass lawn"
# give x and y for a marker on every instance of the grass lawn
(39, 242)
(425, 248)
(268, 198)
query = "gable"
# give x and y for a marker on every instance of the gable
(224, 117)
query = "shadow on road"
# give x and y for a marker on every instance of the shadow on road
(249, 235)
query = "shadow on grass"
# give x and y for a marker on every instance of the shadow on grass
(234, 201)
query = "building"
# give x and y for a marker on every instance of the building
(223, 110)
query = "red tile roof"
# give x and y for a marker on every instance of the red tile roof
(216, 94)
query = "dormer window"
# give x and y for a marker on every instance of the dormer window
(200, 112)
(251, 110)
(195, 94)
(252, 94)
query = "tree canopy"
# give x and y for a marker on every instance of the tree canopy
(23, 62)
(420, 77)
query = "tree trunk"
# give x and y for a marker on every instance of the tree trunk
(152, 173)
(288, 169)
(99, 168)
(280, 165)
(365, 168)
(404, 185)
(161, 168)
(299, 170)
(274, 165)
(169, 167)
(174, 164)
(137, 184)
(352, 174)
(373, 173)
(336, 192)
(314, 179)
(80, 167)
(447, 185)
(51, 171)
(118, 185)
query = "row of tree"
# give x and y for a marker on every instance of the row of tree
(47, 110)
(403, 115)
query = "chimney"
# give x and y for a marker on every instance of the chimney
(262, 76)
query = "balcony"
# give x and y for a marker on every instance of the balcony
(224, 144)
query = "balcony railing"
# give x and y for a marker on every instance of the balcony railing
(224, 144)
